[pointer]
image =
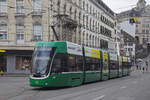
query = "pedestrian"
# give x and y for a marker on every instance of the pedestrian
(143, 69)
(140, 67)
(137, 67)
(1, 70)
(146, 66)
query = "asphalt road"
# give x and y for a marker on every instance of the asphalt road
(133, 87)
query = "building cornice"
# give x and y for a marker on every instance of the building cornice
(100, 4)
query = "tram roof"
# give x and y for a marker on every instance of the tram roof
(51, 44)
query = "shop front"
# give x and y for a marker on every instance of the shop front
(18, 61)
(3, 62)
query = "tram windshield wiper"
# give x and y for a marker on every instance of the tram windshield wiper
(37, 75)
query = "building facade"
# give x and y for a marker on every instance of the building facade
(127, 44)
(126, 39)
(24, 22)
(118, 38)
(142, 11)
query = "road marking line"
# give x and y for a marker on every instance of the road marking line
(123, 87)
(100, 98)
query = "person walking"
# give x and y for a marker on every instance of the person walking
(1, 70)
(146, 66)
(137, 67)
(143, 69)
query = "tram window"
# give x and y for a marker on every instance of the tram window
(71, 63)
(124, 65)
(113, 65)
(75, 63)
(79, 63)
(60, 63)
(67, 63)
(120, 64)
(92, 64)
(96, 63)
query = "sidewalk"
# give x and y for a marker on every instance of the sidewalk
(15, 75)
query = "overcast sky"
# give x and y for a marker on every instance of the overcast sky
(122, 5)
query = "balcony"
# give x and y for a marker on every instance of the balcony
(36, 38)
(19, 15)
(37, 12)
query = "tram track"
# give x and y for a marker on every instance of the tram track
(72, 96)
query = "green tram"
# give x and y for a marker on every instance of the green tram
(61, 64)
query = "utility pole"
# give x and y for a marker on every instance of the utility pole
(48, 23)
(49, 4)
(54, 31)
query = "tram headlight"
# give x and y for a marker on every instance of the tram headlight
(46, 83)
(36, 82)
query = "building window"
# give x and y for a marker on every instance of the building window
(23, 62)
(3, 6)
(83, 5)
(87, 22)
(37, 32)
(37, 5)
(19, 32)
(87, 7)
(143, 31)
(147, 31)
(79, 17)
(75, 14)
(70, 11)
(137, 31)
(79, 3)
(145, 40)
(19, 6)
(84, 21)
(3, 32)
(64, 9)
(58, 6)
(103, 44)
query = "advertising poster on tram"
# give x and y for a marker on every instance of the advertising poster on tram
(125, 59)
(90, 52)
(113, 57)
(120, 63)
(105, 62)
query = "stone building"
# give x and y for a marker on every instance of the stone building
(127, 44)
(126, 39)
(142, 11)
(24, 22)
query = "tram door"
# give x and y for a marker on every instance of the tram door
(105, 69)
